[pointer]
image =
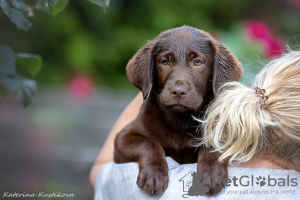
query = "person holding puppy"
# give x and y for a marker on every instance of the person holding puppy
(256, 128)
(259, 122)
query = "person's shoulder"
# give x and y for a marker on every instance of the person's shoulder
(264, 171)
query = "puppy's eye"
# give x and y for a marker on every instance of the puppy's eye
(165, 62)
(197, 62)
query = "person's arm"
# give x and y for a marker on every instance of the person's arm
(107, 152)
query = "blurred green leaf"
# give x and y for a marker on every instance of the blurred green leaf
(45, 5)
(60, 6)
(32, 62)
(26, 88)
(17, 10)
(19, 19)
(16, 16)
(7, 60)
(19, 4)
(5, 6)
(9, 83)
(102, 3)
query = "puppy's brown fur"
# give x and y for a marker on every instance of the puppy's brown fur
(179, 72)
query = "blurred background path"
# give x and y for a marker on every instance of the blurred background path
(52, 145)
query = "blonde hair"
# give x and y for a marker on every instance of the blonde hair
(238, 124)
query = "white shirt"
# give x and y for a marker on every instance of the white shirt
(118, 182)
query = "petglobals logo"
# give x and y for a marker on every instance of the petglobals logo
(193, 187)
(246, 181)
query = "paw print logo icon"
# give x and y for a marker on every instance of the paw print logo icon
(261, 181)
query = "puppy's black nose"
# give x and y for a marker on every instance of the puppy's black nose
(178, 91)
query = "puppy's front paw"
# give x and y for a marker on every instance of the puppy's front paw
(212, 175)
(211, 171)
(153, 179)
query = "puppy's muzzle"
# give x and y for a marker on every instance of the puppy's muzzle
(179, 90)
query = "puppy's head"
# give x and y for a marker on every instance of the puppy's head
(181, 66)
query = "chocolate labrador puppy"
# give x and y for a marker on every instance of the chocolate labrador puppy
(178, 72)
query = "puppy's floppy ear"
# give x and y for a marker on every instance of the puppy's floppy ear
(139, 69)
(226, 67)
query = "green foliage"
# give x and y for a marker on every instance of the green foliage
(51, 6)
(7, 61)
(46, 5)
(83, 40)
(102, 3)
(10, 81)
(18, 11)
(32, 62)
(25, 88)
(59, 7)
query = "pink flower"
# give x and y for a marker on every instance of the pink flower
(274, 47)
(257, 31)
(81, 86)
